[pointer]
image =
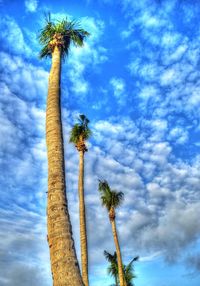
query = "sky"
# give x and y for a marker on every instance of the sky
(137, 79)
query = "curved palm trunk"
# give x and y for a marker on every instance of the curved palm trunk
(119, 258)
(64, 265)
(83, 234)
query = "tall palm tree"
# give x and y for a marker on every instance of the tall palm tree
(79, 134)
(113, 269)
(111, 200)
(56, 38)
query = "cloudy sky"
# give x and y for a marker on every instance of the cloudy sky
(137, 79)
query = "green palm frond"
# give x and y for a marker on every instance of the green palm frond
(111, 258)
(80, 131)
(129, 272)
(70, 31)
(109, 198)
(113, 267)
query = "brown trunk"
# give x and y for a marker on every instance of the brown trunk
(83, 234)
(119, 258)
(64, 264)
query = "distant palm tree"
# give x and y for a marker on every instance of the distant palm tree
(79, 134)
(111, 200)
(113, 269)
(56, 39)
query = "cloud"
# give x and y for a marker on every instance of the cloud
(12, 38)
(31, 5)
(21, 230)
(194, 262)
(18, 74)
(23, 152)
(119, 86)
(91, 54)
(167, 78)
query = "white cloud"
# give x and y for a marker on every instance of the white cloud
(119, 86)
(12, 38)
(31, 5)
(90, 55)
(23, 152)
(179, 135)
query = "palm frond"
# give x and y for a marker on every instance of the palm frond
(110, 257)
(103, 186)
(45, 52)
(129, 271)
(117, 198)
(113, 267)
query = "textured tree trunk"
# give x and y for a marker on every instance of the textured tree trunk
(83, 233)
(64, 264)
(119, 258)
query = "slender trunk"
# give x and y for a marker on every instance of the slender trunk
(83, 234)
(64, 264)
(119, 258)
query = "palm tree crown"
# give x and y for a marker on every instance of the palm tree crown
(111, 199)
(60, 34)
(80, 132)
(128, 270)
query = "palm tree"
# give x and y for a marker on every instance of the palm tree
(113, 269)
(79, 134)
(111, 200)
(56, 38)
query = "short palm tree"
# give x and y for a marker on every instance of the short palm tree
(127, 269)
(79, 134)
(111, 200)
(56, 38)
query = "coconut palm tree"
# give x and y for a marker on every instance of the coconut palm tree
(111, 200)
(127, 269)
(79, 134)
(56, 38)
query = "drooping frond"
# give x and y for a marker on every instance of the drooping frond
(109, 198)
(80, 131)
(60, 33)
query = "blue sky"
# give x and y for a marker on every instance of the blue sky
(137, 79)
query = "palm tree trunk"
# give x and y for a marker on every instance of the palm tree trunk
(64, 264)
(83, 233)
(119, 258)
